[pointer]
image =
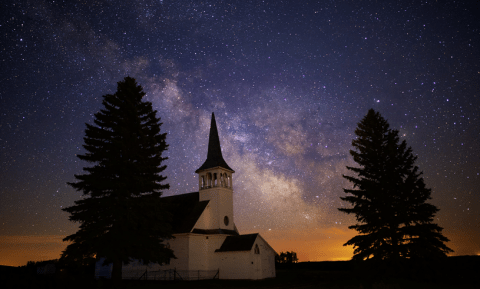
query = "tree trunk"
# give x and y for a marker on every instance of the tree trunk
(117, 272)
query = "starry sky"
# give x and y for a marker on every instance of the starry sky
(288, 82)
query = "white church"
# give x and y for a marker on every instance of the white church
(206, 238)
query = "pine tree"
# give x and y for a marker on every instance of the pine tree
(389, 196)
(121, 214)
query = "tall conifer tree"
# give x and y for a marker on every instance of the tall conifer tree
(121, 214)
(389, 198)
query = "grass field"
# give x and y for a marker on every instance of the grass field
(457, 273)
(312, 279)
(285, 279)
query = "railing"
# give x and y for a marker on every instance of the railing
(173, 274)
(165, 275)
(198, 274)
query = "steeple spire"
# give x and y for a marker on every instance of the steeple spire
(214, 155)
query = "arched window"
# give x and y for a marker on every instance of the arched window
(209, 180)
(257, 249)
(224, 180)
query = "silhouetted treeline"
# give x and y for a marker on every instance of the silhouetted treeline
(285, 259)
(48, 274)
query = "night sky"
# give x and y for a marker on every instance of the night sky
(288, 82)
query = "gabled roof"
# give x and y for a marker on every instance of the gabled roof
(238, 243)
(215, 231)
(186, 210)
(214, 155)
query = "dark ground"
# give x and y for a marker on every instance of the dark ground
(456, 272)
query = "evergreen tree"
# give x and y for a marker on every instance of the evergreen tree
(286, 258)
(121, 214)
(389, 198)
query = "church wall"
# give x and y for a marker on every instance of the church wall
(257, 263)
(220, 205)
(248, 264)
(225, 204)
(180, 246)
(266, 260)
(202, 251)
(198, 253)
(209, 218)
(236, 265)
(206, 220)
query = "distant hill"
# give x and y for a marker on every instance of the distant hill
(4, 268)
(7, 271)
(453, 263)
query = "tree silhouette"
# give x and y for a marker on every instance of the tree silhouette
(121, 214)
(389, 198)
(286, 258)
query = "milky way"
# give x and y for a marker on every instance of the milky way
(288, 82)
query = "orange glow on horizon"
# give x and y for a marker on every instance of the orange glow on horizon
(317, 245)
(310, 244)
(18, 250)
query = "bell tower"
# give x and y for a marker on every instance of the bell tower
(215, 184)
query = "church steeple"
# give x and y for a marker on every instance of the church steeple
(214, 155)
(215, 185)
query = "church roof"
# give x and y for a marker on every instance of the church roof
(238, 243)
(186, 209)
(214, 155)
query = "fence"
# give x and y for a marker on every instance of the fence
(197, 274)
(172, 274)
(163, 275)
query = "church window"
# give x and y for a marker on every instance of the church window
(257, 249)
(209, 180)
(226, 221)
(222, 180)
